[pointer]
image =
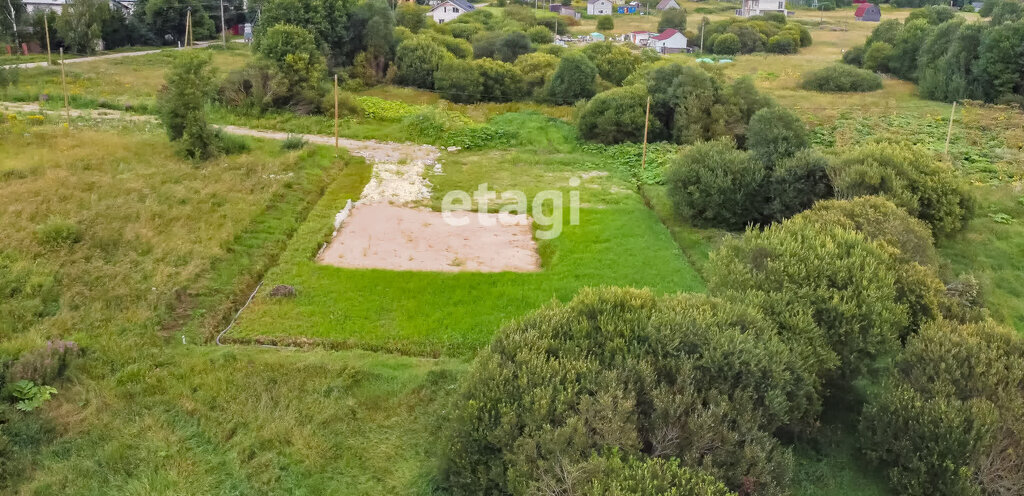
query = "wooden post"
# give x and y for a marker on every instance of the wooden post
(223, 29)
(949, 132)
(336, 115)
(188, 25)
(46, 26)
(647, 120)
(64, 86)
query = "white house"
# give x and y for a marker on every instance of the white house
(639, 37)
(669, 41)
(759, 7)
(449, 9)
(33, 6)
(667, 4)
(599, 7)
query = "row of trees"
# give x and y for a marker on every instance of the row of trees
(767, 33)
(949, 58)
(709, 386)
(83, 24)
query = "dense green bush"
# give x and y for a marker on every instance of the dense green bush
(726, 44)
(295, 56)
(417, 59)
(459, 81)
(911, 178)
(782, 43)
(879, 219)
(714, 184)
(824, 285)
(621, 368)
(573, 80)
(255, 88)
(948, 422)
(605, 23)
(611, 475)
(841, 78)
(616, 116)
(540, 35)
(672, 19)
(411, 16)
(501, 81)
(614, 62)
(774, 134)
(797, 182)
(536, 69)
(854, 56)
(877, 56)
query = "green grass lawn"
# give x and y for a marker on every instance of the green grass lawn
(618, 242)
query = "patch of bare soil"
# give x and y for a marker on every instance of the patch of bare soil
(385, 236)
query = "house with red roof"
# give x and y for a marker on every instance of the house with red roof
(868, 12)
(669, 41)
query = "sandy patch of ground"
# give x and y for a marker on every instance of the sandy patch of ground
(384, 236)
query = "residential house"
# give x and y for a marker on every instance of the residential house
(449, 9)
(868, 12)
(669, 41)
(565, 10)
(599, 7)
(761, 7)
(639, 38)
(33, 6)
(667, 4)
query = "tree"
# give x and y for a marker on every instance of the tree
(574, 79)
(537, 69)
(417, 59)
(182, 104)
(511, 45)
(502, 82)
(903, 60)
(614, 62)
(1000, 65)
(372, 26)
(672, 19)
(81, 24)
(714, 184)
(13, 11)
(782, 43)
(326, 20)
(616, 116)
(605, 23)
(295, 54)
(775, 134)
(727, 44)
(878, 56)
(412, 16)
(166, 19)
(841, 78)
(798, 182)
(1007, 12)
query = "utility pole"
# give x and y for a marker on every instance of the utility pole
(949, 132)
(702, 36)
(188, 25)
(223, 29)
(647, 121)
(46, 26)
(64, 87)
(336, 153)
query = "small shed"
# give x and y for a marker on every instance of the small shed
(869, 12)
(597, 36)
(669, 41)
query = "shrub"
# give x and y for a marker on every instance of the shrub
(876, 58)
(672, 19)
(948, 420)
(537, 69)
(416, 61)
(854, 56)
(614, 62)
(502, 82)
(9, 77)
(295, 54)
(459, 81)
(182, 104)
(797, 182)
(293, 142)
(255, 89)
(605, 23)
(431, 124)
(844, 283)
(615, 116)
(573, 80)
(842, 78)
(230, 144)
(348, 104)
(58, 233)
(774, 134)
(412, 16)
(611, 474)
(512, 45)
(540, 35)
(714, 184)
(912, 179)
(782, 43)
(623, 369)
(726, 44)
(44, 365)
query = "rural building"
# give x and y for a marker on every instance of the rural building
(564, 10)
(450, 9)
(33, 6)
(599, 7)
(667, 4)
(761, 7)
(639, 37)
(669, 41)
(868, 12)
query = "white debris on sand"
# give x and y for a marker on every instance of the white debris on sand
(397, 183)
